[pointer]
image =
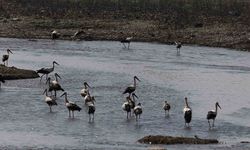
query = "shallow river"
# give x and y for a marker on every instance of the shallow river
(204, 75)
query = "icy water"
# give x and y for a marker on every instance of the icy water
(204, 75)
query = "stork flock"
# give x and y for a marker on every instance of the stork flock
(129, 106)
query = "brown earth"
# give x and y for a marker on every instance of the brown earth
(229, 35)
(159, 139)
(12, 73)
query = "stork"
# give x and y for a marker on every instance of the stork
(51, 101)
(178, 47)
(89, 99)
(55, 35)
(6, 57)
(1, 80)
(77, 34)
(54, 86)
(130, 89)
(71, 105)
(212, 114)
(91, 111)
(166, 107)
(126, 40)
(187, 113)
(46, 71)
(126, 106)
(138, 111)
(85, 90)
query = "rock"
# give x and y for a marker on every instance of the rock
(13, 73)
(159, 139)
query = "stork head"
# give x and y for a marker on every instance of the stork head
(136, 78)
(166, 102)
(86, 84)
(217, 104)
(54, 62)
(9, 51)
(139, 104)
(133, 94)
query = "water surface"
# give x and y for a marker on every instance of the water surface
(204, 75)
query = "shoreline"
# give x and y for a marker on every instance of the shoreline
(226, 36)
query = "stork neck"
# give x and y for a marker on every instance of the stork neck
(216, 108)
(56, 78)
(186, 103)
(134, 82)
(66, 98)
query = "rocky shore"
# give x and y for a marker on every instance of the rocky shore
(13, 73)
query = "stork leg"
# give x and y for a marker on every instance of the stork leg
(209, 124)
(213, 122)
(93, 117)
(128, 45)
(73, 114)
(41, 77)
(124, 45)
(89, 118)
(127, 115)
(50, 109)
(69, 114)
(136, 117)
(55, 93)
(46, 76)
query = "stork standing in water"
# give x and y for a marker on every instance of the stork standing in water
(1, 80)
(6, 57)
(126, 106)
(178, 47)
(91, 111)
(130, 89)
(46, 71)
(71, 105)
(138, 111)
(187, 113)
(55, 35)
(89, 99)
(85, 90)
(212, 114)
(54, 86)
(166, 107)
(51, 101)
(127, 40)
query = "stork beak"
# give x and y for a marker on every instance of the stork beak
(9, 51)
(135, 95)
(88, 85)
(45, 91)
(58, 75)
(137, 78)
(63, 94)
(219, 106)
